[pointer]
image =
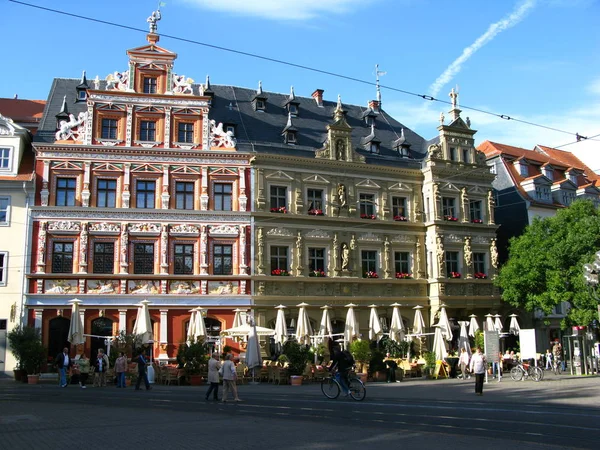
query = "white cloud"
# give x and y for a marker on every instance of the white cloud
(493, 30)
(282, 9)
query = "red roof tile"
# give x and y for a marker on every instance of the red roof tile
(569, 159)
(28, 111)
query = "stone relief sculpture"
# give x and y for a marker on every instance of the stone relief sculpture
(42, 247)
(464, 198)
(182, 85)
(345, 256)
(491, 205)
(123, 246)
(83, 246)
(144, 287)
(417, 267)
(437, 200)
(341, 195)
(118, 81)
(72, 128)
(439, 249)
(434, 151)
(102, 287)
(64, 225)
(164, 246)
(386, 256)
(494, 254)
(184, 228)
(340, 150)
(105, 227)
(220, 138)
(299, 244)
(153, 20)
(144, 228)
(260, 251)
(468, 252)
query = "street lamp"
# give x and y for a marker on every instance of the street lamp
(590, 275)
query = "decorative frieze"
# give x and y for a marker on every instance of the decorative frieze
(64, 227)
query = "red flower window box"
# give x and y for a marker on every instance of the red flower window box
(315, 212)
(317, 273)
(280, 210)
(450, 218)
(455, 275)
(370, 274)
(400, 219)
(403, 276)
(476, 221)
(280, 273)
(368, 216)
(480, 275)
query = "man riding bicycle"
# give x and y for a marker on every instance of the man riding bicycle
(342, 362)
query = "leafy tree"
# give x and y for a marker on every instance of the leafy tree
(545, 264)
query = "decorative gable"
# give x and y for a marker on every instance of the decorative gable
(316, 179)
(146, 168)
(279, 175)
(368, 184)
(400, 187)
(223, 171)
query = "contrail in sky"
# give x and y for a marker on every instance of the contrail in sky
(494, 29)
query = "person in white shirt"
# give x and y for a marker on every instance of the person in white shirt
(548, 359)
(478, 366)
(463, 361)
(213, 377)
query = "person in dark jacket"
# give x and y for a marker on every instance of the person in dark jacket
(142, 375)
(63, 363)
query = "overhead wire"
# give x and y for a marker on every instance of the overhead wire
(292, 64)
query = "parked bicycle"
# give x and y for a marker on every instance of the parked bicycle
(331, 387)
(524, 371)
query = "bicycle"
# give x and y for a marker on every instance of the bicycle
(331, 387)
(556, 366)
(524, 371)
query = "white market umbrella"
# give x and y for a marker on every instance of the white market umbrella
(75, 335)
(253, 358)
(418, 323)
(244, 331)
(374, 324)
(143, 325)
(303, 328)
(439, 346)
(351, 327)
(191, 328)
(489, 323)
(281, 333)
(325, 328)
(498, 323)
(444, 324)
(473, 325)
(463, 337)
(396, 326)
(199, 327)
(237, 318)
(514, 327)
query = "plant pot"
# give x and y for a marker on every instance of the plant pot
(296, 380)
(33, 379)
(127, 381)
(196, 380)
(19, 374)
(380, 375)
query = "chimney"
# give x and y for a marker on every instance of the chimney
(318, 96)
(17, 96)
(374, 105)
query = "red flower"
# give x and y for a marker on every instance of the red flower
(402, 275)
(368, 216)
(371, 274)
(400, 219)
(455, 275)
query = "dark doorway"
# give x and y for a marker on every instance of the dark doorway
(57, 335)
(101, 326)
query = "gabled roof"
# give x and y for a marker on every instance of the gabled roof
(25, 112)
(568, 159)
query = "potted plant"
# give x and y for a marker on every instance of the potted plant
(361, 352)
(26, 345)
(298, 357)
(377, 368)
(194, 358)
(430, 362)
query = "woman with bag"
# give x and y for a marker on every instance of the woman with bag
(214, 370)
(229, 377)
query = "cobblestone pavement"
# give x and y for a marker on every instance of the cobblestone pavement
(560, 412)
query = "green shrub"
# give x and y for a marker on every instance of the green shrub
(360, 350)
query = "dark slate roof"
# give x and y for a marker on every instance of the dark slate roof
(261, 131)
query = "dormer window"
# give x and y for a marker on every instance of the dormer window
(150, 85)
(293, 109)
(259, 105)
(290, 137)
(229, 128)
(549, 172)
(81, 96)
(259, 101)
(403, 152)
(374, 148)
(521, 166)
(289, 132)
(291, 103)
(573, 178)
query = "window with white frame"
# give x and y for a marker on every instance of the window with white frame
(448, 207)
(279, 260)
(4, 211)
(399, 210)
(314, 198)
(402, 263)
(278, 198)
(316, 260)
(5, 158)
(479, 263)
(65, 191)
(542, 193)
(368, 261)
(367, 204)
(549, 173)
(3, 268)
(475, 210)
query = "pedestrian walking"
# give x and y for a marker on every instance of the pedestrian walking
(478, 366)
(463, 361)
(120, 369)
(548, 359)
(142, 375)
(83, 367)
(229, 378)
(64, 363)
(214, 365)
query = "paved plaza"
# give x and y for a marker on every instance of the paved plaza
(560, 412)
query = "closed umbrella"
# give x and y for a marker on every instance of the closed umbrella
(396, 326)
(498, 323)
(191, 328)
(303, 328)
(473, 325)
(281, 333)
(439, 346)
(463, 337)
(489, 323)
(237, 318)
(444, 324)
(325, 328)
(351, 327)
(200, 326)
(418, 323)
(253, 358)
(374, 324)
(143, 325)
(75, 335)
(514, 327)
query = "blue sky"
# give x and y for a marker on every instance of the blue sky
(532, 59)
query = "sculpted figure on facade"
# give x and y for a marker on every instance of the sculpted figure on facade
(491, 205)
(340, 150)
(345, 256)
(417, 267)
(153, 20)
(83, 245)
(42, 247)
(221, 138)
(468, 253)
(494, 254)
(164, 246)
(437, 200)
(260, 252)
(434, 151)
(341, 195)
(299, 244)
(386, 256)
(464, 198)
(72, 129)
(64, 225)
(439, 249)
(182, 85)
(124, 245)
(118, 81)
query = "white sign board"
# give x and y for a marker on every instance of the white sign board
(492, 346)
(527, 341)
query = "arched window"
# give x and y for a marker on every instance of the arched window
(57, 335)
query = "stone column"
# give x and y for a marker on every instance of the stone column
(89, 121)
(45, 192)
(129, 128)
(85, 193)
(437, 202)
(242, 199)
(165, 196)
(83, 248)
(387, 272)
(204, 251)
(164, 250)
(243, 268)
(41, 257)
(204, 194)
(164, 329)
(124, 249)
(126, 196)
(260, 266)
(123, 320)
(167, 127)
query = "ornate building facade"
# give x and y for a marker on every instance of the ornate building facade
(140, 195)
